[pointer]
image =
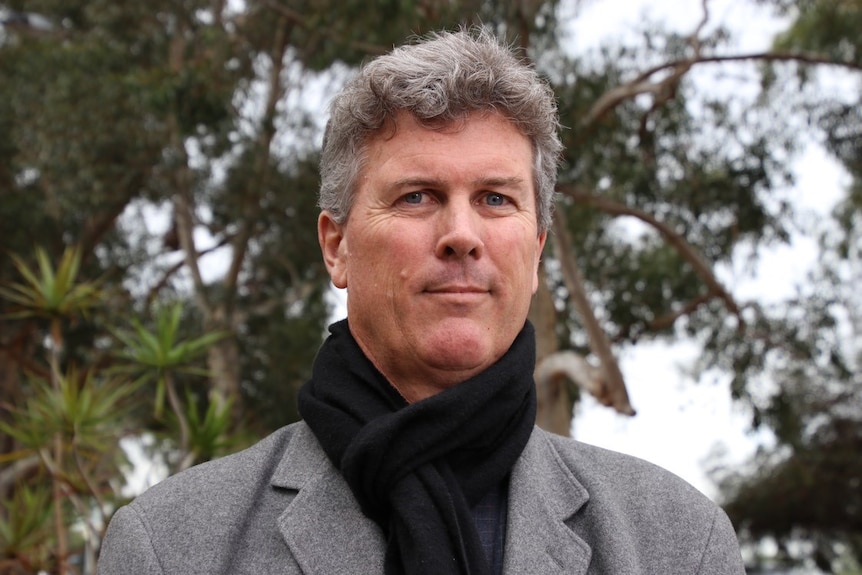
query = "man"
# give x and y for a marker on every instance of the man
(418, 453)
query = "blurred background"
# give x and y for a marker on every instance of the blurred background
(162, 296)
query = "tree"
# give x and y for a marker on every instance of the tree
(208, 116)
(803, 494)
(65, 427)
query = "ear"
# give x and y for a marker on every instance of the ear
(330, 235)
(540, 245)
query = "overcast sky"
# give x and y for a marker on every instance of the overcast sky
(681, 421)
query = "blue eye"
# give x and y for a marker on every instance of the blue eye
(495, 199)
(414, 198)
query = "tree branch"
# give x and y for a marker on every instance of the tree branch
(577, 369)
(290, 298)
(667, 88)
(613, 393)
(685, 249)
(663, 322)
(178, 266)
(182, 420)
(643, 85)
(185, 233)
(183, 200)
(102, 222)
(12, 474)
(667, 320)
(801, 57)
(296, 18)
(252, 204)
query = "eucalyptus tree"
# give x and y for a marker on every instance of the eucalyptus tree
(803, 494)
(176, 143)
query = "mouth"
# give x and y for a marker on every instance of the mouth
(458, 297)
(457, 290)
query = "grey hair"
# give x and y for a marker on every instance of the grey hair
(439, 80)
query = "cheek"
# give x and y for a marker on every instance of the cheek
(383, 261)
(519, 257)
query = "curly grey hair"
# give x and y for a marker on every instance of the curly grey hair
(439, 81)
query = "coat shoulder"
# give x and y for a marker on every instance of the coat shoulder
(242, 469)
(638, 510)
(624, 475)
(195, 521)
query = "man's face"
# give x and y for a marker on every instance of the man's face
(440, 251)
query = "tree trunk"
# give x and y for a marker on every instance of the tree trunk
(554, 410)
(224, 374)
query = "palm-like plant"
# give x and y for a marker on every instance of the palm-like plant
(25, 528)
(159, 355)
(71, 420)
(51, 293)
(55, 294)
(86, 413)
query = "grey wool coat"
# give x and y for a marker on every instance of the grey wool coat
(281, 507)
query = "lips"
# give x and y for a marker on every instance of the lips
(457, 289)
(458, 296)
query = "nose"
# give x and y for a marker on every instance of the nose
(460, 233)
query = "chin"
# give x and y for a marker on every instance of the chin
(463, 348)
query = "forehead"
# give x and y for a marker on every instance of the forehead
(485, 133)
(449, 124)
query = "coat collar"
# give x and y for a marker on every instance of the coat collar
(323, 525)
(327, 534)
(544, 495)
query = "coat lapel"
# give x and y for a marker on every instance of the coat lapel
(323, 525)
(327, 534)
(543, 495)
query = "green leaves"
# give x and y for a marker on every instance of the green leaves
(49, 292)
(87, 411)
(152, 354)
(826, 26)
(130, 106)
(69, 427)
(64, 422)
(209, 435)
(161, 349)
(25, 526)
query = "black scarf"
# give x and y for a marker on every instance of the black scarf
(417, 469)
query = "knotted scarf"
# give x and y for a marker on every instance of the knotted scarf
(417, 469)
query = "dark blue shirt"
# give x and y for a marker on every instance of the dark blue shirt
(490, 517)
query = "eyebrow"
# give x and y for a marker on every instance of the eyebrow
(430, 182)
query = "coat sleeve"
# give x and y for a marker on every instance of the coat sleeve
(127, 547)
(721, 556)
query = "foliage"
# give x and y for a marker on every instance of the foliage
(158, 354)
(64, 427)
(803, 492)
(210, 435)
(49, 293)
(86, 412)
(174, 144)
(25, 527)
